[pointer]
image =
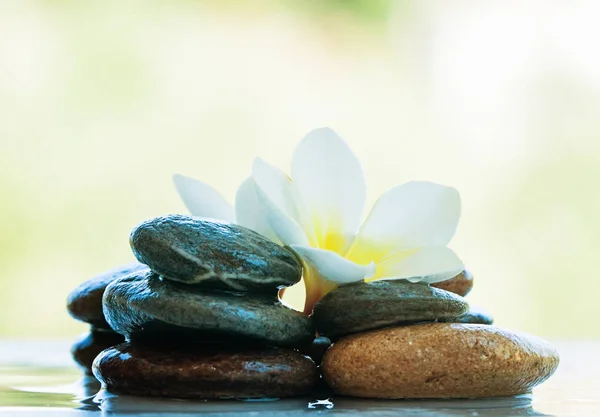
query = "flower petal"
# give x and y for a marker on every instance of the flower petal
(287, 230)
(412, 215)
(429, 264)
(248, 212)
(333, 266)
(278, 202)
(202, 200)
(330, 180)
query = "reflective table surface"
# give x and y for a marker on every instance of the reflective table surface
(39, 379)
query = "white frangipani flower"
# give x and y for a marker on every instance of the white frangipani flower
(317, 213)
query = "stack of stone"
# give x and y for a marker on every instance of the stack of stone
(396, 339)
(201, 316)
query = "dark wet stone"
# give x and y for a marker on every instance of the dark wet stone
(85, 302)
(366, 306)
(317, 348)
(473, 316)
(89, 345)
(216, 255)
(144, 306)
(460, 284)
(205, 371)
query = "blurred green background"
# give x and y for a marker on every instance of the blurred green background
(100, 102)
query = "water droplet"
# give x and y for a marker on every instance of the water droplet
(327, 404)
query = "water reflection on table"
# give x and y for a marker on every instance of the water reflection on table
(50, 389)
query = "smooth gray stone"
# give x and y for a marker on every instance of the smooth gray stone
(366, 306)
(85, 301)
(144, 306)
(475, 315)
(216, 255)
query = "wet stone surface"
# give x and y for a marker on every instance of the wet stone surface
(366, 306)
(145, 307)
(317, 349)
(84, 303)
(89, 345)
(212, 254)
(205, 371)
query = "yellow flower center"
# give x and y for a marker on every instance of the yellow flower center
(304, 295)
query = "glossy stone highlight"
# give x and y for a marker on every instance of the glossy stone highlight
(88, 346)
(84, 303)
(144, 306)
(317, 349)
(367, 306)
(216, 255)
(205, 371)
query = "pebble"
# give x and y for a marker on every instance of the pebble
(216, 255)
(438, 360)
(366, 306)
(89, 345)
(317, 349)
(205, 371)
(145, 306)
(475, 315)
(84, 303)
(460, 284)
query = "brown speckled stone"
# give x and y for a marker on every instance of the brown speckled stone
(85, 302)
(89, 345)
(367, 306)
(438, 360)
(460, 284)
(205, 371)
